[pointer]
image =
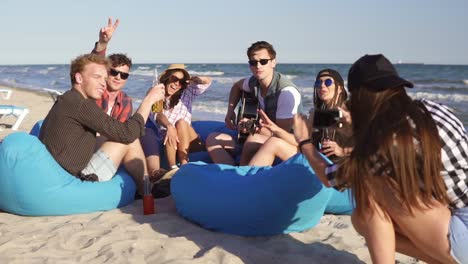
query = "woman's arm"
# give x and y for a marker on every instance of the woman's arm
(302, 126)
(200, 80)
(171, 136)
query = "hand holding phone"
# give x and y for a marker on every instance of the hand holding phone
(327, 118)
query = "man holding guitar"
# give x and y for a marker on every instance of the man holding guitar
(276, 95)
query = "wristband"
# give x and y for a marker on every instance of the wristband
(304, 142)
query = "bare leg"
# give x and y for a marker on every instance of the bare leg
(171, 155)
(131, 156)
(272, 148)
(219, 147)
(422, 234)
(251, 146)
(189, 141)
(153, 162)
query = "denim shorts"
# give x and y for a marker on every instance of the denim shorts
(101, 165)
(150, 143)
(458, 235)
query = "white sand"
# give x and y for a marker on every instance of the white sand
(125, 235)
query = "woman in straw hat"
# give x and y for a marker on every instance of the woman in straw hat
(407, 172)
(174, 122)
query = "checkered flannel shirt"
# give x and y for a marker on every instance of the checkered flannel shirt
(183, 109)
(454, 152)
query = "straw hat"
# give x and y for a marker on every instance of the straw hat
(175, 66)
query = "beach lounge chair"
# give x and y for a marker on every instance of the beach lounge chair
(18, 111)
(53, 93)
(5, 93)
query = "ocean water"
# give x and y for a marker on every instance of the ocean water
(447, 84)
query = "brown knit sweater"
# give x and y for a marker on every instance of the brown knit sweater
(69, 130)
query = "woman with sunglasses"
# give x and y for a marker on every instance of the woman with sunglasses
(329, 93)
(174, 122)
(408, 170)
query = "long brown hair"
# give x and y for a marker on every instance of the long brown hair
(381, 128)
(176, 96)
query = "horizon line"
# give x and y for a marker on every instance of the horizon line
(308, 63)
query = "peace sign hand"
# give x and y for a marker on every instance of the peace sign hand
(105, 34)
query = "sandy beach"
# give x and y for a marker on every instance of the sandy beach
(125, 235)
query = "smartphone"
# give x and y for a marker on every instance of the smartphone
(327, 118)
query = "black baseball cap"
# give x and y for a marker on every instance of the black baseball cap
(331, 73)
(376, 73)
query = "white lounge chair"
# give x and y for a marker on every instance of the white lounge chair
(18, 111)
(53, 93)
(5, 93)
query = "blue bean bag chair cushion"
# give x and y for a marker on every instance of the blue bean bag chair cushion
(32, 183)
(340, 203)
(252, 201)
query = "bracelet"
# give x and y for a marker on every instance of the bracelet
(304, 142)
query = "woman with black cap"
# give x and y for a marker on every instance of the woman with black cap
(334, 142)
(407, 172)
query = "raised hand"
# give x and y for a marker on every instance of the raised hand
(105, 34)
(230, 119)
(265, 122)
(156, 93)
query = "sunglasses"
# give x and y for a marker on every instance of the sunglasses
(174, 78)
(262, 62)
(123, 75)
(327, 82)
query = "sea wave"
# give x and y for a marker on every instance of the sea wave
(206, 73)
(458, 98)
(438, 80)
(46, 71)
(142, 72)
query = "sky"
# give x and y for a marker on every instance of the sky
(216, 31)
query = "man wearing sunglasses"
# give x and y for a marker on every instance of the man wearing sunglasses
(277, 96)
(114, 102)
(69, 129)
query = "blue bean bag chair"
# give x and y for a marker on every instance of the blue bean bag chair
(254, 201)
(32, 183)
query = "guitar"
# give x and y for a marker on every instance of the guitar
(248, 114)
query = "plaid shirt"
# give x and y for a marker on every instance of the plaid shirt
(454, 155)
(183, 109)
(454, 152)
(122, 109)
